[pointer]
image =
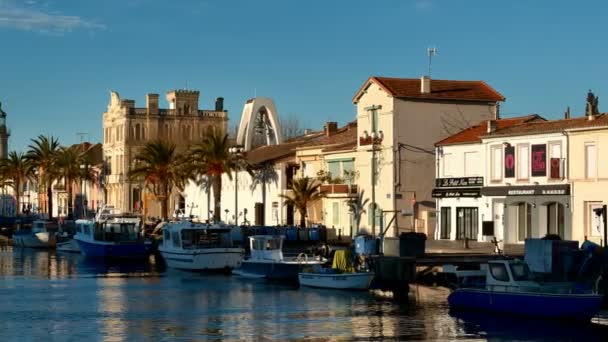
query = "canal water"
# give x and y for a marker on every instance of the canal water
(50, 296)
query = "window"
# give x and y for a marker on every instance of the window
(521, 272)
(448, 164)
(334, 169)
(337, 168)
(471, 164)
(523, 162)
(499, 271)
(595, 225)
(555, 219)
(446, 222)
(524, 221)
(496, 153)
(467, 223)
(590, 161)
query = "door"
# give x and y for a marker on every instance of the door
(498, 211)
(467, 223)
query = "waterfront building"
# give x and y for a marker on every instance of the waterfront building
(462, 211)
(127, 128)
(398, 122)
(331, 160)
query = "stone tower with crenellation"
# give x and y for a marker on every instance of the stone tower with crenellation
(4, 134)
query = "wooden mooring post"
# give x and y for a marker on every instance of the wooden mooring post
(394, 274)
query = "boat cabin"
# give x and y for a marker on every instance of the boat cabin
(266, 247)
(510, 276)
(110, 231)
(44, 226)
(190, 235)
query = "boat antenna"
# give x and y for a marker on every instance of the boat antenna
(431, 52)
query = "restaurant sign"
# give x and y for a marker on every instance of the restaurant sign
(537, 190)
(452, 193)
(458, 182)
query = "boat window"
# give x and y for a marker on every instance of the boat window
(499, 272)
(87, 230)
(273, 244)
(203, 238)
(259, 245)
(521, 272)
(175, 237)
(167, 235)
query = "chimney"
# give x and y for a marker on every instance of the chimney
(491, 126)
(152, 104)
(497, 111)
(330, 128)
(219, 104)
(425, 85)
(307, 131)
(567, 113)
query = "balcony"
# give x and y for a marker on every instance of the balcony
(339, 190)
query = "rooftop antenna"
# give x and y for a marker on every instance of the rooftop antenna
(431, 52)
(82, 135)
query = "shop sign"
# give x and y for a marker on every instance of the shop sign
(453, 193)
(458, 182)
(539, 160)
(538, 190)
(509, 161)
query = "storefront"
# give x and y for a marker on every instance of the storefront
(534, 211)
(458, 203)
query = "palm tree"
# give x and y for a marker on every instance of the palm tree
(211, 157)
(42, 155)
(303, 191)
(357, 207)
(161, 168)
(69, 167)
(16, 170)
(263, 174)
(205, 183)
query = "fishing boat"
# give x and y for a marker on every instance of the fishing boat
(66, 243)
(199, 247)
(342, 275)
(40, 235)
(511, 289)
(115, 237)
(267, 260)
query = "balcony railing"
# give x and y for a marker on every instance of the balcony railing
(339, 189)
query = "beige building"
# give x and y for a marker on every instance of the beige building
(398, 122)
(127, 128)
(588, 172)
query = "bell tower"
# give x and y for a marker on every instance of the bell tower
(4, 134)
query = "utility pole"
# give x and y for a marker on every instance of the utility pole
(375, 139)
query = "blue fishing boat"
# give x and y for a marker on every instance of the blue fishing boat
(113, 238)
(267, 260)
(511, 289)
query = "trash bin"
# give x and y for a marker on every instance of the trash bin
(313, 234)
(412, 244)
(303, 234)
(291, 233)
(365, 245)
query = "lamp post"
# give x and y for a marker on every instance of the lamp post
(237, 152)
(374, 139)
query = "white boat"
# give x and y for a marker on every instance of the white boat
(342, 275)
(267, 261)
(340, 281)
(41, 235)
(199, 247)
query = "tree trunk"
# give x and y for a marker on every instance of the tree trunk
(49, 199)
(263, 204)
(17, 197)
(217, 197)
(208, 203)
(303, 218)
(70, 199)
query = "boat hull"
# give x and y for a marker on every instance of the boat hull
(212, 259)
(581, 307)
(279, 271)
(69, 246)
(340, 281)
(35, 240)
(101, 249)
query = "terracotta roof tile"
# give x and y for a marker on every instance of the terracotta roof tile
(552, 126)
(344, 135)
(440, 89)
(276, 152)
(474, 133)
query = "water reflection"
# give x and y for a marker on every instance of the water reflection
(51, 295)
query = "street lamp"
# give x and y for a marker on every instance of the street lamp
(237, 152)
(374, 139)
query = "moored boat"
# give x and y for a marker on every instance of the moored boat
(67, 244)
(510, 289)
(199, 247)
(342, 275)
(40, 235)
(267, 260)
(113, 238)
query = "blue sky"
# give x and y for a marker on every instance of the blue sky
(60, 58)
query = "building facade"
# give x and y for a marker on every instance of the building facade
(398, 123)
(127, 128)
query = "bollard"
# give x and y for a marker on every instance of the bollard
(466, 243)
